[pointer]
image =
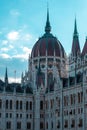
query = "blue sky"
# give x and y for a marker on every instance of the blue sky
(22, 22)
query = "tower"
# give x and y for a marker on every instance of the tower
(75, 52)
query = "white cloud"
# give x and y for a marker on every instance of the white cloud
(26, 50)
(14, 80)
(21, 56)
(4, 49)
(11, 46)
(5, 56)
(4, 42)
(14, 35)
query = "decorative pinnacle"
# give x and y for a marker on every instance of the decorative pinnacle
(75, 28)
(6, 77)
(47, 27)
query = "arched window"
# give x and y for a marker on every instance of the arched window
(78, 97)
(21, 105)
(28, 125)
(6, 104)
(46, 125)
(50, 79)
(0, 103)
(27, 105)
(30, 105)
(41, 125)
(17, 104)
(52, 124)
(41, 105)
(10, 104)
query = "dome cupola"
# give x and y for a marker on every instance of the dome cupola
(48, 45)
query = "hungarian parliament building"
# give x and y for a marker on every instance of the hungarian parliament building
(53, 92)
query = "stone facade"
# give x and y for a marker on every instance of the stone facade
(53, 92)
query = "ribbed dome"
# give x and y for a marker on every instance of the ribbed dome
(48, 43)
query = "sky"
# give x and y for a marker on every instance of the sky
(22, 22)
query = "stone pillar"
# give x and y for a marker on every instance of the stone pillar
(46, 74)
(37, 111)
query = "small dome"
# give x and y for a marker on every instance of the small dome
(48, 43)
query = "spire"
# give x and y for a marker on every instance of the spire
(47, 27)
(75, 44)
(6, 77)
(75, 28)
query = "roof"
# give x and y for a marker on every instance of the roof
(84, 51)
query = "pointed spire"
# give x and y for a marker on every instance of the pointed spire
(75, 28)
(6, 77)
(75, 44)
(47, 27)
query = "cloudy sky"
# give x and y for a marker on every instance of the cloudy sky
(22, 22)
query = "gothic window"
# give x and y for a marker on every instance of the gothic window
(20, 115)
(6, 104)
(78, 97)
(28, 125)
(20, 105)
(66, 124)
(6, 115)
(71, 97)
(27, 105)
(65, 100)
(30, 105)
(0, 115)
(8, 125)
(30, 116)
(46, 125)
(41, 125)
(52, 125)
(50, 79)
(17, 104)
(10, 115)
(51, 103)
(81, 96)
(0, 103)
(58, 124)
(10, 104)
(41, 105)
(73, 123)
(80, 122)
(18, 125)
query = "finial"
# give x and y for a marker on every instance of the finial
(75, 27)
(47, 27)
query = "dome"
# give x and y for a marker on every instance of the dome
(48, 45)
